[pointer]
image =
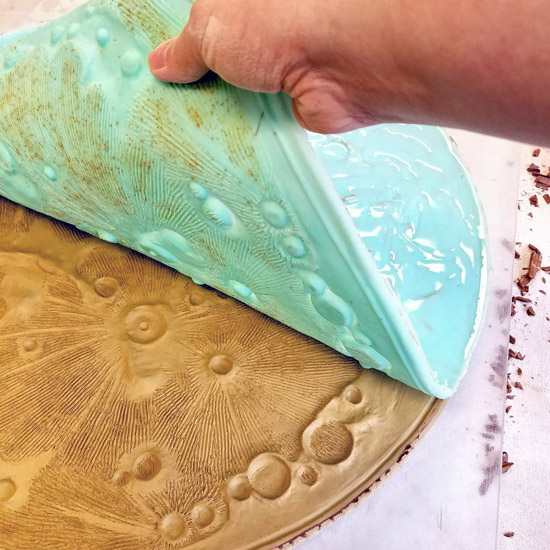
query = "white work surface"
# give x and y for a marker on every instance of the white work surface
(446, 494)
(525, 491)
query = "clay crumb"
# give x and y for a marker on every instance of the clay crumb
(534, 169)
(506, 465)
(519, 371)
(530, 311)
(509, 534)
(546, 198)
(518, 385)
(534, 200)
(536, 152)
(508, 408)
(516, 255)
(512, 339)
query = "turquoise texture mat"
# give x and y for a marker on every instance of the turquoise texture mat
(372, 242)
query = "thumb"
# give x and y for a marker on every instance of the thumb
(178, 60)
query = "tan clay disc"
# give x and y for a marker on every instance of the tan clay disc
(140, 411)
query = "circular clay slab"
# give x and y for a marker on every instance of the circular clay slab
(141, 411)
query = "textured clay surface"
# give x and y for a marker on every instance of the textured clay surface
(141, 411)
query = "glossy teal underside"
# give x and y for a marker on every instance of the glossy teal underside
(223, 185)
(415, 209)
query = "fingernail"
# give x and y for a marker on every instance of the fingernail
(157, 58)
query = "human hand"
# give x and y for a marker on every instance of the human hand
(333, 59)
(464, 63)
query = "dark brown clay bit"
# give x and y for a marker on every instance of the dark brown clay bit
(510, 397)
(511, 354)
(519, 371)
(536, 152)
(523, 284)
(518, 385)
(546, 198)
(520, 356)
(530, 214)
(508, 408)
(535, 263)
(546, 268)
(509, 534)
(512, 339)
(533, 168)
(530, 311)
(513, 310)
(544, 180)
(506, 466)
(522, 299)
(534, 248)
(508, 387)
(516, 255)
(534, 200)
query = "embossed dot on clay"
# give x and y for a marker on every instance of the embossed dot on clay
(56, 35)
(122, 477)
(196, 298)
(274, 214)
(202, 514)
(217, 212)
(269, 476)
(172, 527)
(330, 443)
(106, 287)
(131, 63)
(239, 487)
(7, 489)
(145, 324)
(102, 36)
(88, 14)
(221, 364)
(307, 475)
(73, 30)
(353, 394)
(46, 266)
(146, 466)
(30, 344)
(294, 246)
